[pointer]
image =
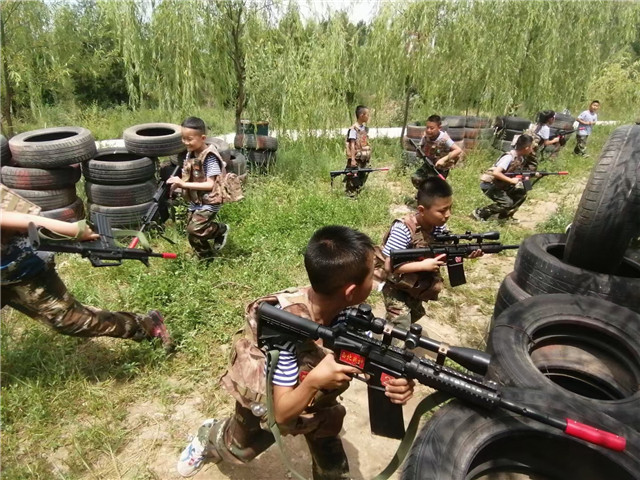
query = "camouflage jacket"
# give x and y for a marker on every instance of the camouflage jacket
(363, 149)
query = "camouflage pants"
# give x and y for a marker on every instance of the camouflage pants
(354, 183)
(241, 438)
(506, 202)
(44, 297)
(581, 145)
(201, 228)
(424, 172)
(402, 308)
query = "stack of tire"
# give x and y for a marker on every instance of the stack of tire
(256, 145)
(565, 341)
(120, 182)
(44, 168)
(413, 133)
(506, 128)
(454, 125)
(477, 133)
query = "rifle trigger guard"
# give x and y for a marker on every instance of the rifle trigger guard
(443, 351)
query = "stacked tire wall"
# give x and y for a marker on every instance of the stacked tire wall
(44, 168)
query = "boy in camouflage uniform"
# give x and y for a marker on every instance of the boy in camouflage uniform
(201, 173)
(31, 285)
(307, 379)
(358, 151)
(507, 193)
(439, 149)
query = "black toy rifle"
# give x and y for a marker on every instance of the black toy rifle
(426, 159)
(380, 361)
(102, 252)
(562, 134)
(526, 175)
(449, 244)
(350, 172)
(152, 211)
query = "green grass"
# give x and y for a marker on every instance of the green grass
(62, 394)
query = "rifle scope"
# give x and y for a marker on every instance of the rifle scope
(450, 237)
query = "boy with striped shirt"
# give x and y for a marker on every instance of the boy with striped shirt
(307, 380)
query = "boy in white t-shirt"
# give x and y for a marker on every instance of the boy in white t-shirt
(586, 120)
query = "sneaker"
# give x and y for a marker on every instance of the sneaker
(159, 329)
(193, 456)
(476, 215)
(221, 240)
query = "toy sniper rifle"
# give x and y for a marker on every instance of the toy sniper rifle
(454, 251)
(380, 361)
(526, 175)
(152, 211)
(426, 159)
(563, 136)
(350, 172)
(102, 252)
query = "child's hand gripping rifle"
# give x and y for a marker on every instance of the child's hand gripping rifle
(354, 171)
(380, 361)
(525, 176)
(102, 252)
(426, 159)
(562, 134)
(449, 244)
(152, 211)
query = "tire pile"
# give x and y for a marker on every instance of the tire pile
(468, 132)
(564, 340)
(43, 167)
(256, 145)
(506, 128)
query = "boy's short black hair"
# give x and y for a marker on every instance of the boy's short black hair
(360, 109)
(435, 119)
(195, 123)
(432, 188)
(337, 256)
(546, 115)
(523, 141)
(595, 101)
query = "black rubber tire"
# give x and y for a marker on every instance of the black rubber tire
(415, 130)
(237, 163)
(255, 142)
(508, 294)
(261, 158)
(464, 442)
(471, 133)
(222, 146)
(608, 215)
(70, 213)
(539, 269)
(154, 139)
(502, 145)
(120, 195)
(122, 217)
(516, 123)
(477, 122)
(5, 151)
(118, 166)
(456, 133)
(454, 121)
(49, 199)
(39, 178)
(585, 349)
(508, 134)
(52, 147)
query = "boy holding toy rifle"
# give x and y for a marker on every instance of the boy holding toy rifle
(306, 379)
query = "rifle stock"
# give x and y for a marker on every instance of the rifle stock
(379, 359)
(102, 252)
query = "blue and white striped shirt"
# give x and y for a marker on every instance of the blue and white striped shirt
(400, 237)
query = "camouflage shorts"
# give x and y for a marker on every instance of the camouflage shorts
(402, 308)
(201, 228)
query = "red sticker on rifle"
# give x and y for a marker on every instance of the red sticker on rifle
(385, 378)
(352, 359)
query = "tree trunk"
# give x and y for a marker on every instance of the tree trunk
(8, 88)
(238, 62)
(409, 92)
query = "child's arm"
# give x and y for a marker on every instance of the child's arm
(426, 265)
(448, 160)
(290, 402)
(178, 182)
(497, 173)
(352, 153)
(19, 222)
